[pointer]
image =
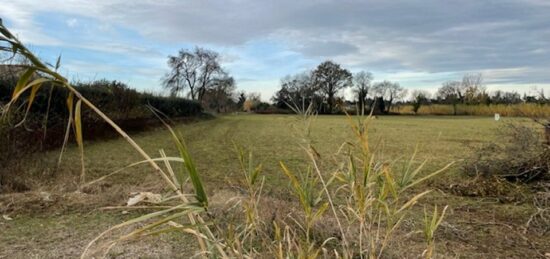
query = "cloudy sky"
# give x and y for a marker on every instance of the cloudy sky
(417, 43)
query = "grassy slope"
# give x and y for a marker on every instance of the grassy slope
(439, 139)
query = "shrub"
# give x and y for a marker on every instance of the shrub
(173, 106)
(121, 102)
(521, 154)
(262, 106)
(48, 113)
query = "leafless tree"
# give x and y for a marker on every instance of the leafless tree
(419, 98)
(298, 91)
(362, 84)
(252, 100)
(209, 69)
(474, 90)
(389, 92)
(451, 92)
(541, 95)
(193, 70)
(220, 94)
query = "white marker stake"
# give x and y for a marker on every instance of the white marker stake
(497, 116)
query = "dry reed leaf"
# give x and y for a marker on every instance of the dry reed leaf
(144, 197)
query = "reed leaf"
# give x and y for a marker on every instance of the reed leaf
(188, 164)
(22, 82)
(79, 139)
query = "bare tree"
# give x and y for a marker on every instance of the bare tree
(474, 90)
(193, 70)
(389, 92)
(330, 78)
(209, 69)
(451, 92)
(220, 94)
(419, 98)
(252, 100)
(502, 97)
(298, 91)
(183, 73)
(541, 96)
(362, 84)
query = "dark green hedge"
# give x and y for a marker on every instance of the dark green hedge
(126, 106)
(114, 98)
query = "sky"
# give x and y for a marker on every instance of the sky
(418, 43)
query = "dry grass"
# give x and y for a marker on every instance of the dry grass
(514, 110)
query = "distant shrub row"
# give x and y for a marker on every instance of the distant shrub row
(512, 110)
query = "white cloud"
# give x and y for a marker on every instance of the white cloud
(419, 42)
(23, 24)
(72, 23)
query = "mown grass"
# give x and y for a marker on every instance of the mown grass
(473, 223)
(270, 138)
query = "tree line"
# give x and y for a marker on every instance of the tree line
(323, 86)
(472, 91)
(198, 74)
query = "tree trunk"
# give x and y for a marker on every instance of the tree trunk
(388, 108)
(330, 102)
(192, 91)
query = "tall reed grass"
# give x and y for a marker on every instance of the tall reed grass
(532, 110)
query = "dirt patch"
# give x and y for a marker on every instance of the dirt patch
(47, 202)
(55, 200)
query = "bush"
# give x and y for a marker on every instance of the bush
(46, 121)
(520, 155)
(274, 110)
(262, 106)
(121, 102)
(172, 106)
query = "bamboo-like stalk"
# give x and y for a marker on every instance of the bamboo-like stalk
(329, 198)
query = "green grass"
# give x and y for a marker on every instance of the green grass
(439, 139)
(271, 139)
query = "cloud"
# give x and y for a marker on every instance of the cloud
(327, 49)
(428, 40)
(20, 19)
(72, 22)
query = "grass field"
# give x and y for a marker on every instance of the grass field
(54, 221)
